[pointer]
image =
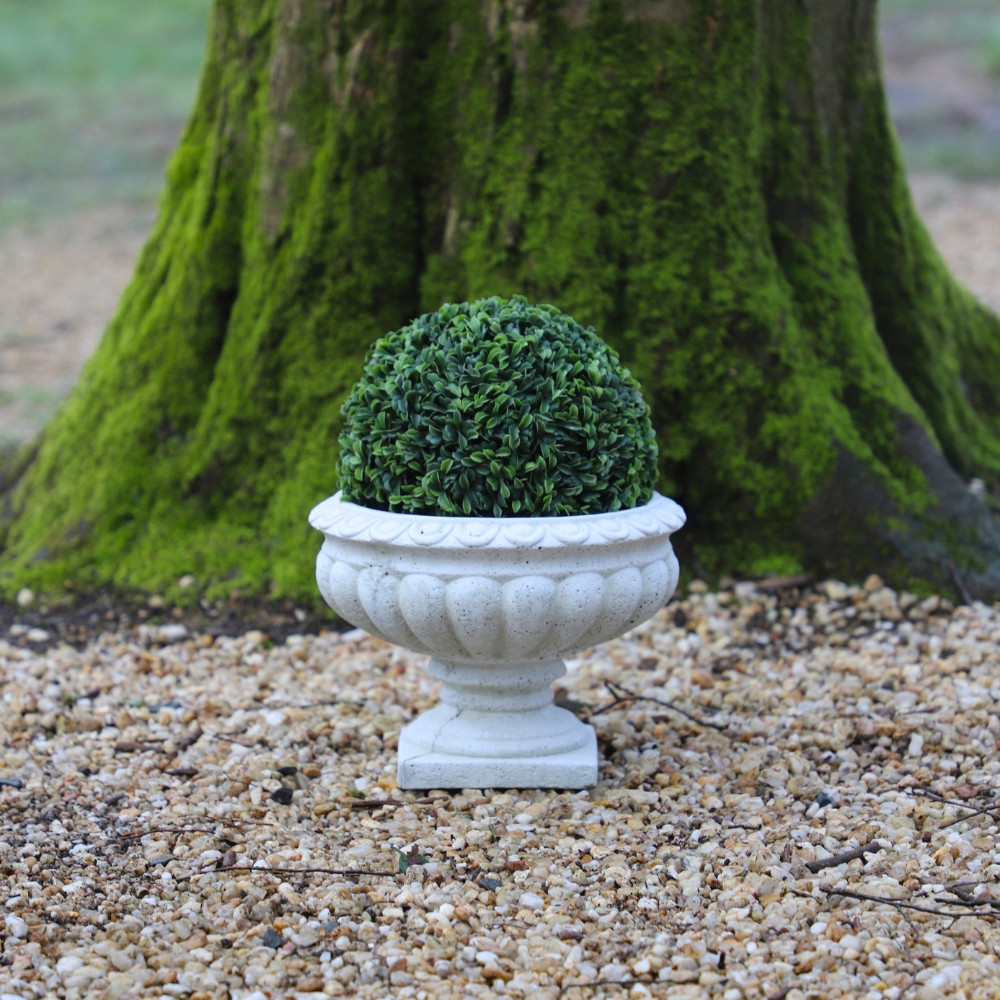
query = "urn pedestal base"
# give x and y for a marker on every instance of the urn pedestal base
(421, 767)
(496, 727)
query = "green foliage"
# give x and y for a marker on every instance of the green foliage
(496, 407)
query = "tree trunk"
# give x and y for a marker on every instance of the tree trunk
(712, 184)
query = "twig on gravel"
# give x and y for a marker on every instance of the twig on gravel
(261, 706)
(623, 696)
(139, 834)
(902, 904)
(189, 740)
(967, 899)
(225, 821)
(380, 803)
(133, 746)
(872, 847)
(374, 804)
(288, 871)
(226, 738)
(930, 793)
(990, 810)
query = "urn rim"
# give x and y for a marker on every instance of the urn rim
(339, 518)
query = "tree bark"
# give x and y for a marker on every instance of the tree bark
(714, 185)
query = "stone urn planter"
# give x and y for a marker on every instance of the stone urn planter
(496, 602)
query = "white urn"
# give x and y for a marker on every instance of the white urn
(496, 603)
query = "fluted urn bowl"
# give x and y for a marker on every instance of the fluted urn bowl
(496, 603)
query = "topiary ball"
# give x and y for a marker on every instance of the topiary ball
(496, 408)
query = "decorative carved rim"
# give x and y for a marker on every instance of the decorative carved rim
(339, 519)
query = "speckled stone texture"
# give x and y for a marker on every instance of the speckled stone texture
(218, 817)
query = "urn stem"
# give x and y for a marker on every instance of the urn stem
(497, 687)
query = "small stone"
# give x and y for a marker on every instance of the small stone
(531, 901)
(25, 597)
(16, 927)
(171, 633)
(614, 973)
(187, 581)
(37, 635)
(491, 972)
(305, 937)
(283, 796)
(272, 939)
(834, 590)
(121, 960)
(68, 964)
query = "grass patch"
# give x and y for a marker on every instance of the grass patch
(93, 95)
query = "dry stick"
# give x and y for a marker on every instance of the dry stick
(901, 904)
(872, 847)
(227, 738)
(380, 803)
(189, 740)
(260, 706)
(622, 695)
(286, 871)
(985, 811)
(235, 824)
(938, 797)
(930, 793)
(139, 834)
(967, 899)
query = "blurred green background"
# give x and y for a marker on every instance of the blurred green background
(942, 68)
(93, 95)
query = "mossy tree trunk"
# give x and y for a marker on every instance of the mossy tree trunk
(712, 184)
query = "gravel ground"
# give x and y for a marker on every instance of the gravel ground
(201, 816)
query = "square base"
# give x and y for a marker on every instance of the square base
(572, 769)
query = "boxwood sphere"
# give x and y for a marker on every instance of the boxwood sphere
(496, 408)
